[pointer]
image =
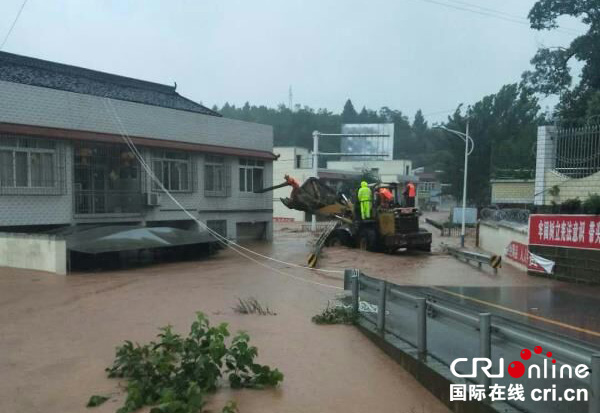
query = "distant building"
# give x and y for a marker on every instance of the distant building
(370, 145)
(429, 190)
(63, 160)
(387, 171)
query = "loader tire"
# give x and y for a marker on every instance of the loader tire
(367, 240)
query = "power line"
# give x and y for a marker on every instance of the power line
(13, 24)
(488, 12)
(228, 243)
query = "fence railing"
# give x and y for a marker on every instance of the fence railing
(517, 215)
(444, 330)
(578, 151)
(451, 230)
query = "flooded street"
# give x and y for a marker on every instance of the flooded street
(59, 333)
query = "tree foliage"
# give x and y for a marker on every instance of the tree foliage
(176, 373)
(551, 73)
(503, 126)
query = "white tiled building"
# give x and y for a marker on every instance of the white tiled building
(63, 160)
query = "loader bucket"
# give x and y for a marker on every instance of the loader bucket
(311, 196)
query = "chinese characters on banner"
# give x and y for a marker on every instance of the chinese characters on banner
(520, 253)
(573, 231)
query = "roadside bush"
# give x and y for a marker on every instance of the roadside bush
(592, 204)
(570, 206)
(175, 374)
(335, 315)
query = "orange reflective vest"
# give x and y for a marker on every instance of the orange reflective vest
(412, 192)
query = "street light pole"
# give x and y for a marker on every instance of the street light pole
(468, 149)
(464, 203)
(315, 167)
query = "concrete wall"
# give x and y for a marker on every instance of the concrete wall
(495, 237)
(34, 252)
(546, 177)
(572, 264)
(545, 160)
(570, 188)
(513, 191)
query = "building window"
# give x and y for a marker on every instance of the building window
(251, 175)
(28, 163)
(219, 226)
(407, 170)
(106, 179)
(173, 169)
(217, 176)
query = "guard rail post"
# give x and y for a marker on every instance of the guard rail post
(594, 405)
(485, 345)
(381, 307)
(422, 326)
(355, 289)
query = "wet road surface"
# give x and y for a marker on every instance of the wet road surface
(59, 333)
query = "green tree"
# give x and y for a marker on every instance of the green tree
(503, 127)
(349, 114)
(551, 73)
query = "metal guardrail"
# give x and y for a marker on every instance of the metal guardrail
(450, 230)
(423, 320)
(494, 261)
(313, 257)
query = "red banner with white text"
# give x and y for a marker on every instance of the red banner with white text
(520, 253)
(571, 231)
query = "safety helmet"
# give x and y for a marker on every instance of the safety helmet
(363, 184)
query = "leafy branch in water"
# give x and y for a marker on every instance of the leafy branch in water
(335, 315)
(175, 373)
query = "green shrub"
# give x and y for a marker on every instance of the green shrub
(592, 204)
(335, 315)
(570, 206)
(175, 373)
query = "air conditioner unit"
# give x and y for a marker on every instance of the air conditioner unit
(153, 199)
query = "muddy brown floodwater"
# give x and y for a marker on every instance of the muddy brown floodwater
(59, 333)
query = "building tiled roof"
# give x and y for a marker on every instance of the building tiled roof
(37, 72)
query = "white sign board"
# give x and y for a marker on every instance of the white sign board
(372, 145)
(470, 216)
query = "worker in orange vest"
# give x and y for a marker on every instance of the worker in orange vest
(410, 192)
(385, 197)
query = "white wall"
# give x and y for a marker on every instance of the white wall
(495, 237)
(33, 252)
(398, 167)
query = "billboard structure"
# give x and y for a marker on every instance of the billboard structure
(370, 145)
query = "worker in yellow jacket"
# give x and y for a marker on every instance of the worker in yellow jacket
(365, 196)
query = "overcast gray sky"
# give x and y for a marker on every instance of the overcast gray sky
(405, 54)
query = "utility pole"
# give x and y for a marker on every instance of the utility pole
(315, 167)
(464, 203)
(290, 99)
(469, 146)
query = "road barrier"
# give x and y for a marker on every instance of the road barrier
(313, 257)
(451, 230)
(437, 330)
(494, 261)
